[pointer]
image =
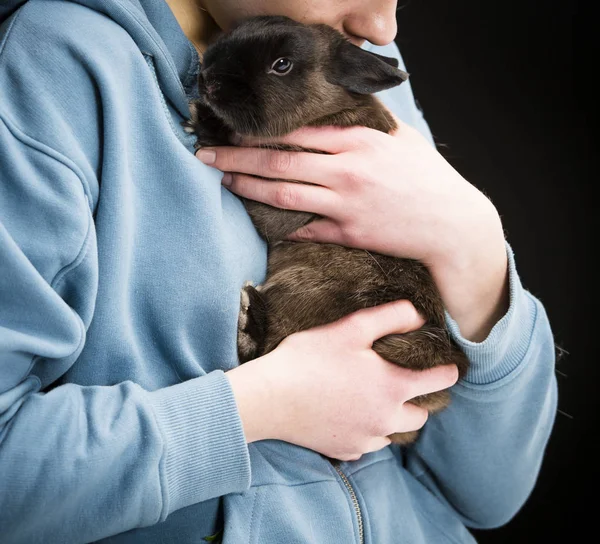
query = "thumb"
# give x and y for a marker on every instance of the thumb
(370, 324)
(323, 230)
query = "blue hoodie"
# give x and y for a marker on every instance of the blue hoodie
(121, 260)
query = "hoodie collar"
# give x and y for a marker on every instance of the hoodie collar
(183, 53)
(157, 33)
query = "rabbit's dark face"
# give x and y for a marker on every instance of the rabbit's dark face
(271, 75)
(257, 78)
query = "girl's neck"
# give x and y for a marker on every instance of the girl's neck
(195, 21)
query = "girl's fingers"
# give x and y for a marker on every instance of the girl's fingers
(271, 163)
(283, 194)
(330, 139)
(421, 382)
(377, 444)
(369, 324)
(411, 418)
(324, 231)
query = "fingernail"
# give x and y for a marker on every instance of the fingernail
(207, 156)
(227, 179)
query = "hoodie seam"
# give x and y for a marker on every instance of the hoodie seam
(150, 62)
(35, 144)
(81, 255)
(193, 69)
(58, 157)
(518, 368)
(253, 522)
(164, 53)
(15, 16)
(82, 252)
(162, 471)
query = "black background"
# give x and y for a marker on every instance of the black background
(507, 90)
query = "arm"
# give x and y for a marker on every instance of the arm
(472, 278)
(81, 463)
(395, 194)
(483, 454)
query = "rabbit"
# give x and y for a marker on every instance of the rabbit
(267, 77)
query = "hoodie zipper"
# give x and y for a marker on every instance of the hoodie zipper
(359, 518)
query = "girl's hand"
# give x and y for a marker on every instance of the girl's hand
(327, 390)
(389, 193)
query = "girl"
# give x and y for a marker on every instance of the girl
(124, 415)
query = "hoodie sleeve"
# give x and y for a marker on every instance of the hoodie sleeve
(79, 463)
(482, 455)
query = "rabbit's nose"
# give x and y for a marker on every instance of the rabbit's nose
(212, 88)
(209, 83)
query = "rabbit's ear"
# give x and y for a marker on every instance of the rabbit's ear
(363, 72)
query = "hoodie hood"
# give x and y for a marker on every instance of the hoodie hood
(153, 27)
(8, 7)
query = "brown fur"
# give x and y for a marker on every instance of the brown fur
(310, 284)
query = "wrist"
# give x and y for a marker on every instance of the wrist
(472, 275)
(257, 399)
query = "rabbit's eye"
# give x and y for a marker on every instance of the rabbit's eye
(281, 66)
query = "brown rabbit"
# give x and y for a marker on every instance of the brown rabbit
(268, 77)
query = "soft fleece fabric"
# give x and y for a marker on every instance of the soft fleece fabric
(121, 260)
